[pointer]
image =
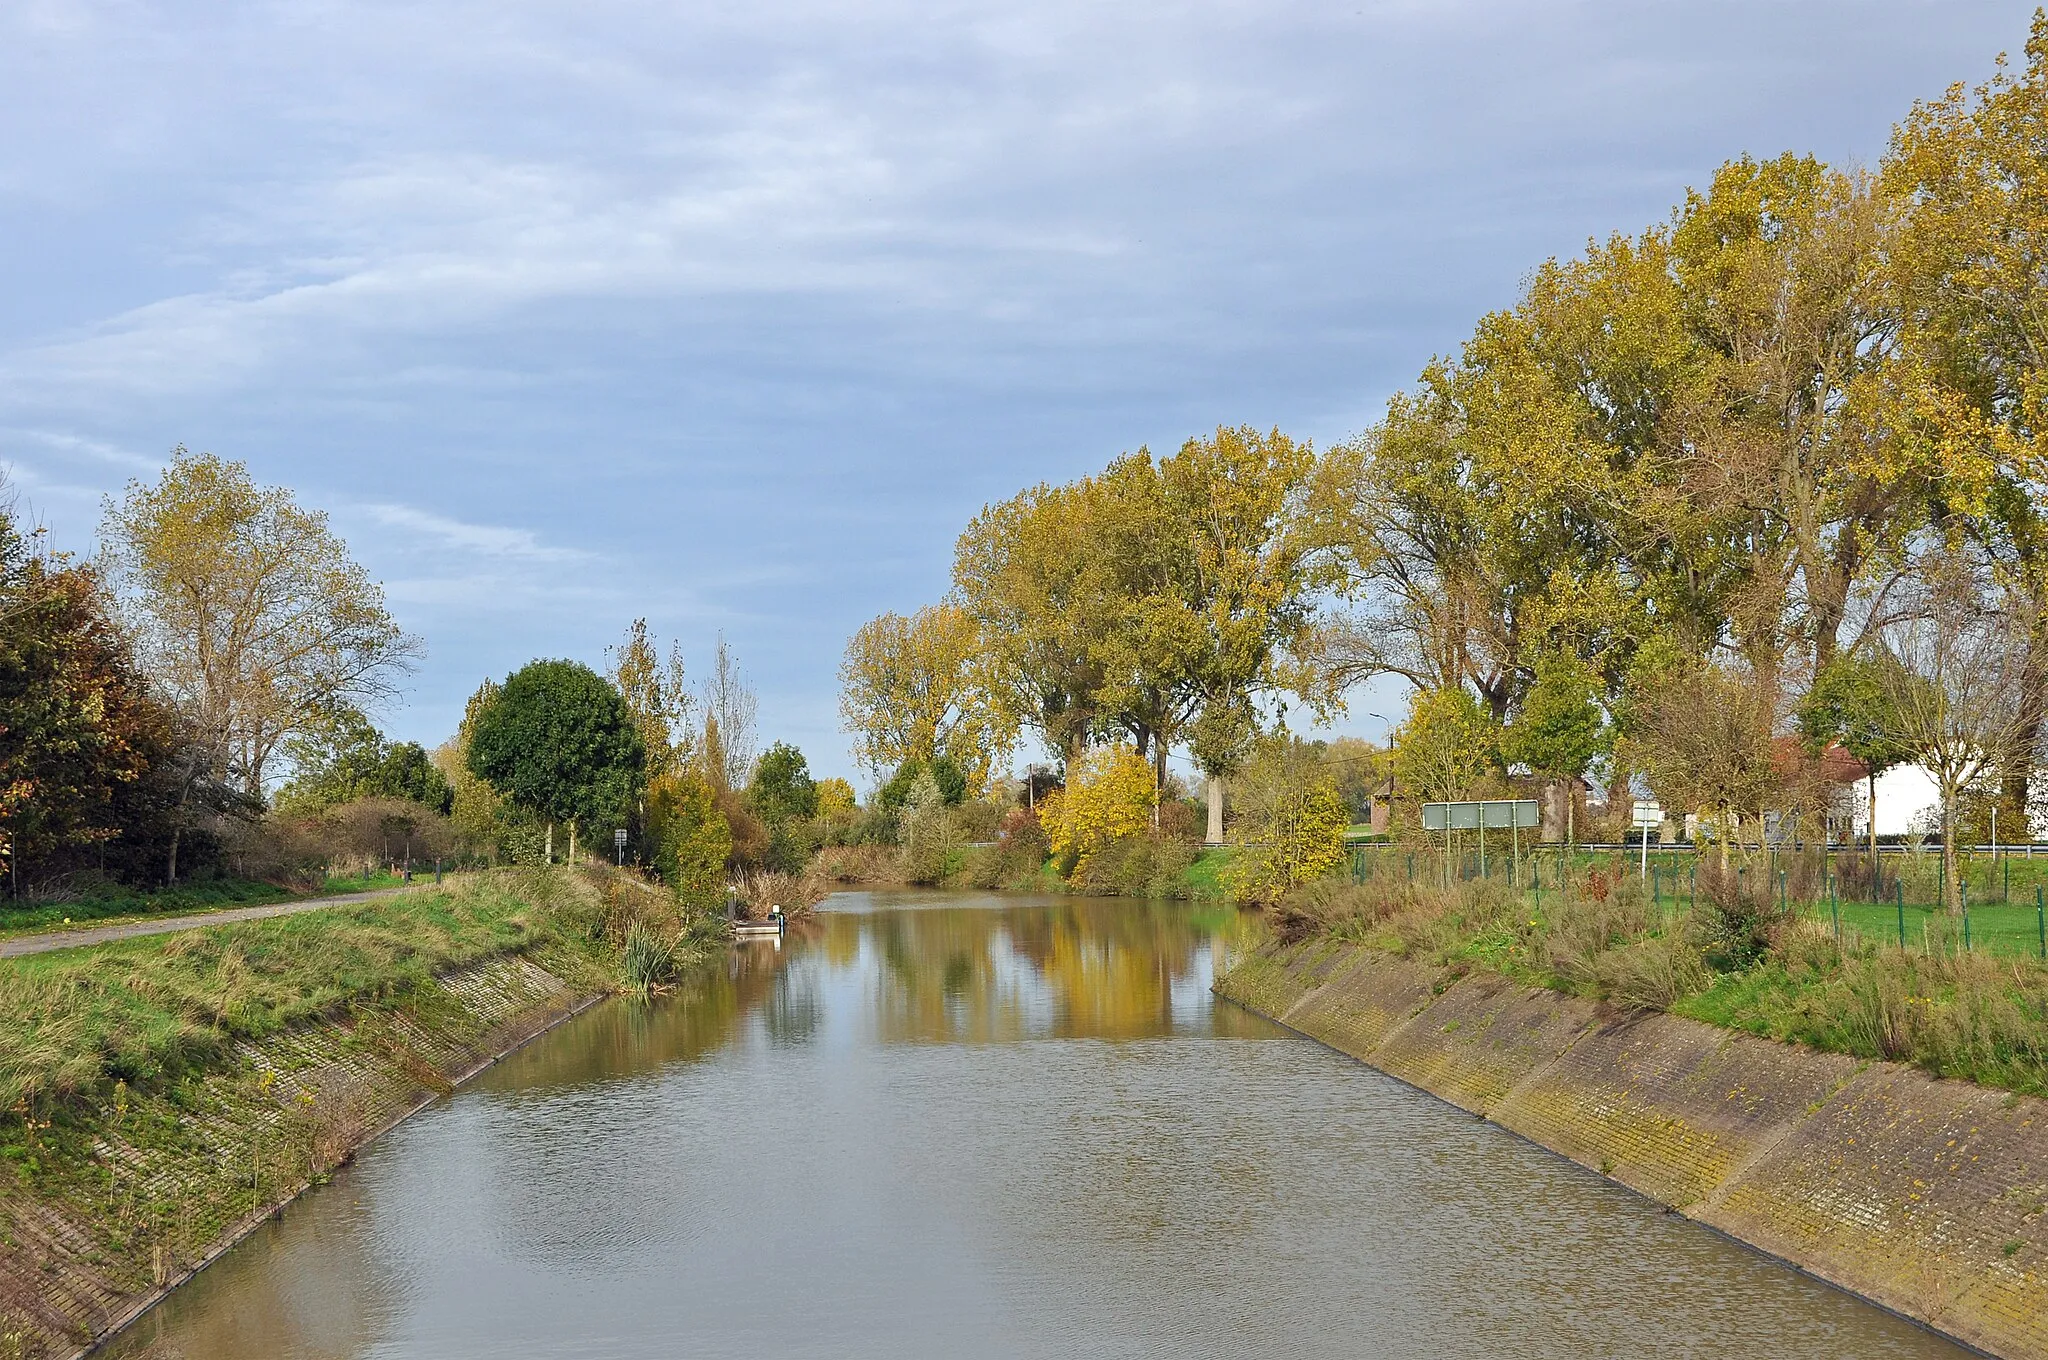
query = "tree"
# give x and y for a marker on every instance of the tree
(1560, 730)
(1247, 596)
(248, 611)
(1028, 573)
(927, 831)
(1447, 742)
(1109, 794)
(559, 742)
(835, 798)
(1967, 393)
(729, 708)
(657, 696)
(350, 759)
(913, 689)
(1706, 747)
(1290, 823)
(783, 790)
(944, 772)
(1955, 693)
(691, 837)
(84, 749)
(478, 811)
(1847, 705)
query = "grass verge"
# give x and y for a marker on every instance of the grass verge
(1976, 1016)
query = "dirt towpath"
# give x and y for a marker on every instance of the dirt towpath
(80, 936)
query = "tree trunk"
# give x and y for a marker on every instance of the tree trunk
(1951, 891)
(1215, 836)
(1158, 780)
(1876, 878)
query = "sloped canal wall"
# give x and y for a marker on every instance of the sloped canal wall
(163, 1184)
(1922, 1195)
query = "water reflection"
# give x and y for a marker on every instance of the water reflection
(945, 1124)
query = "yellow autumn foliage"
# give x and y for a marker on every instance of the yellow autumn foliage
(1109, 795)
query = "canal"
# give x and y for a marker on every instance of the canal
(958, 1124)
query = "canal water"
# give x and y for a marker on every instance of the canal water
(957, 1124)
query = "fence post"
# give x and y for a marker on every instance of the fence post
(1899, 892)
(1835, 910)
(1784, 901)
(1692, 888)
(1963, 894)
(2040, 921)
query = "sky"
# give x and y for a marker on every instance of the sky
(730, 315)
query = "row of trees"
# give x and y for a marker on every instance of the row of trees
(1159, 603)
(154, 690)
(1693, 488)
(200, 690)
(558, 748)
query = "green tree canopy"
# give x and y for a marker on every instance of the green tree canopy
(783, 789)
(350, 759)
(558, 741)
(1447, 742)
(1560, 730)
(945, 772)
(691, 837)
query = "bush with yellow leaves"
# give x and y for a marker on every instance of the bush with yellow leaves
(1109, 795)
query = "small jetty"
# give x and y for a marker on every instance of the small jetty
(772, 928)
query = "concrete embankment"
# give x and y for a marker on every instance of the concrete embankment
(151, 1188)
(1925, 1196)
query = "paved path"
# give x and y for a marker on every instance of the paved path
(165, 925)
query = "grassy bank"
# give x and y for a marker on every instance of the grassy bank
(157, 1093)
(1740, 963)
(144, 1012)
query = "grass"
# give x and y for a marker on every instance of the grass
(1979, 1015)
(1204, 877)
(110, 903)
(142, 1012)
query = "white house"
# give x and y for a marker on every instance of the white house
(1907, 797)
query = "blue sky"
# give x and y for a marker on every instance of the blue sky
(730, 315)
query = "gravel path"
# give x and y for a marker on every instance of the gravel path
(80, 936)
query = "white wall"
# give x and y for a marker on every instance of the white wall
(1904, 792)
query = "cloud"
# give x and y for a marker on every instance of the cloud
(486, 540)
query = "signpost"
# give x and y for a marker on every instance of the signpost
(619, 846)
(1647, 817)
(1508, 814)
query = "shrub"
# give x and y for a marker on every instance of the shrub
(927, 832)
(1289, 827)
(1736, 921)
(859, 864)
(692, 839)
(1651, 974)
(1145, 865)
(1108, 795)
(977, 821)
